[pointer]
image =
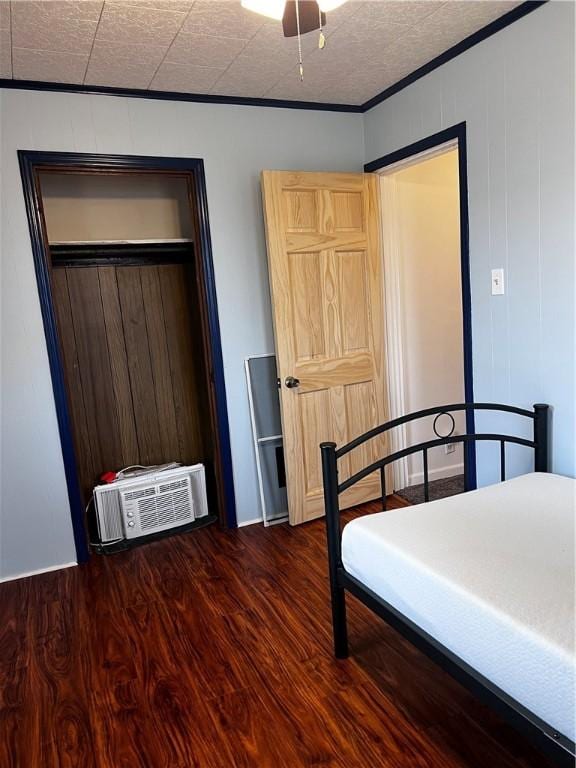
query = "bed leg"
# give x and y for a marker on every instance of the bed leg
(339, 625)
(330, 477)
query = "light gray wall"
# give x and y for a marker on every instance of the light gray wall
(515, 91)
(236, 143)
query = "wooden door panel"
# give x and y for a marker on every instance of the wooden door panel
(348, 211)
(333, 372)
(361, 415)
(316, 420)
(306, 289)
(301, 210)
(326, 281)
(354, 301)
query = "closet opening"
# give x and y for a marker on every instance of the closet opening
(124, 268)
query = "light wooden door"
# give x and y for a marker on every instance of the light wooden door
(326, 280)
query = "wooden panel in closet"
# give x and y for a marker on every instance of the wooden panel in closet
(94, 366)
(133, 366)
(184, 354)
(74, 390)
(119, 365)
(160, 360)
(139, 364)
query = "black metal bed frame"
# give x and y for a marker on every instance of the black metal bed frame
(556, 745)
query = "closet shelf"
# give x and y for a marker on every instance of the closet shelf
(96, 243)
(121, 253)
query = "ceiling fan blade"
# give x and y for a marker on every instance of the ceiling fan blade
(309, 17)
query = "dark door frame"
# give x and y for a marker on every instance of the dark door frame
(31, 163)
(457, 133)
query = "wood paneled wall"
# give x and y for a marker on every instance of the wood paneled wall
(134, 366)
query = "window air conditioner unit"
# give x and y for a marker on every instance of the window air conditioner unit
(148, 503)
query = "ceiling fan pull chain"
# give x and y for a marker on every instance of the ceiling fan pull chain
(300, 66)
(321, 38)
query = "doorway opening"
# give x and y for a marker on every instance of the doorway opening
(427, 305)
(124, 268)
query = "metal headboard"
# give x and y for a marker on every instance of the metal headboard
(331, 454)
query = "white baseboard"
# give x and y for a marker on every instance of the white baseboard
(436, 474)
(251, 522)
(37, 572)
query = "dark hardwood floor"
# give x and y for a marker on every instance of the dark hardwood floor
(213, 649)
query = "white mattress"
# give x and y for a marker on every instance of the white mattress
(489, 574)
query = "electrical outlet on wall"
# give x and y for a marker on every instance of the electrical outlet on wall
(450, 448)
(498, 282)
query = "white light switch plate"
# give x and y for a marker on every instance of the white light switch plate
(497, 282)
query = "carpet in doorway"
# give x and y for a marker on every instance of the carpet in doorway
(439, 489)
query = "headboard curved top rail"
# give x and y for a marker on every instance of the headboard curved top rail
(331, 453)
(436, 410)
(391, 458)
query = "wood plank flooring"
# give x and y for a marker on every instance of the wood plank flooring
(213, 649)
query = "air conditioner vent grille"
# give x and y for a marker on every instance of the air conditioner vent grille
(173, 486)
(139, 494)
(157, 507)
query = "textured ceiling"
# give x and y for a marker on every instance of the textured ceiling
(217, 47)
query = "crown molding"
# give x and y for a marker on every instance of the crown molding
(199, 98)
(464, 45)
(207, 98)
